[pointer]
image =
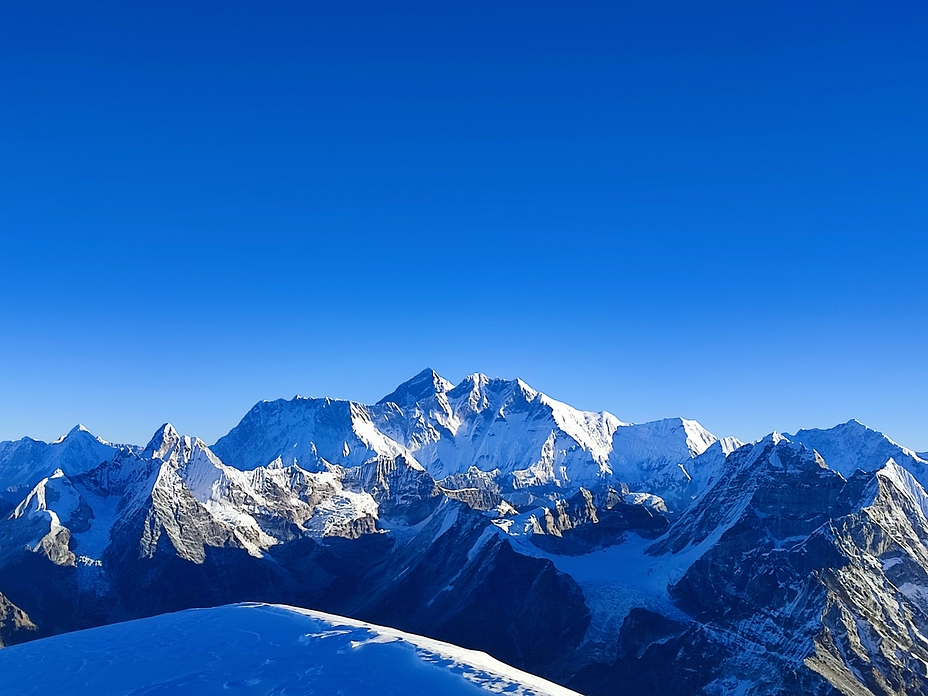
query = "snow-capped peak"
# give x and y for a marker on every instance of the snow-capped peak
(776, 437)
(162, 442)
(668, 439)
(852, 445)
(76, 432)
(730, 444)
(905, 482)
(423, 386)
(698, 438)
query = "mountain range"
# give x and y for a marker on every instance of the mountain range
(605, 556)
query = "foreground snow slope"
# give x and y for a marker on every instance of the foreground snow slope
(256, 649)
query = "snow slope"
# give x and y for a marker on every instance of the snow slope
(256, 649)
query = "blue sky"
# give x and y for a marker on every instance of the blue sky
(714, 210)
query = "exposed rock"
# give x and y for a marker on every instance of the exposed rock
(15, 625)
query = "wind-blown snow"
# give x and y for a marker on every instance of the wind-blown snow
(256, 649)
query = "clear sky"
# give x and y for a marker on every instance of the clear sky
(717, 210)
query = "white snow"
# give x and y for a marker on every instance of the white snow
(256, 649)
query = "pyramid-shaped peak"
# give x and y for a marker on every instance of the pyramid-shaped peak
(162, 442)
(424, 385)
(78, 433)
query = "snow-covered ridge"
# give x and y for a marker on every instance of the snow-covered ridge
(257, 649)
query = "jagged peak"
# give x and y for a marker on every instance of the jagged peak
(856, 424)
(480, 383)
(903, 480)
(725, 446)
(76, 431)
(472, 383)
(775, 451)
(672, 422)
(298, 398)
(753, 452)
(890, 465)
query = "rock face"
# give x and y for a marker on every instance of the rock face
(15, 625)
(612, 558)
